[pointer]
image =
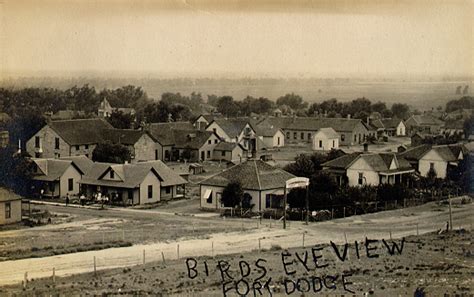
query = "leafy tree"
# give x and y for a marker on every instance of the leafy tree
(468, 126)
(120, 120)
(379, 107)
(15, 171)
(111, 153)
(296, 198)
(232, 195)
(126, 96)
(292, 100)
(186, 154)
(303, 166)
(465, 102)
(227, 106)
(400, 110)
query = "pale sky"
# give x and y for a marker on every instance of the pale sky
(312, 38)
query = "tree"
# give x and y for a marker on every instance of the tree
(15, 171)
(465, 102)
(227, 106)
(111, 153)
(292, 100)
(400, 110)
(120, 120)
(303, 166)
(126, 96)
(232, 195)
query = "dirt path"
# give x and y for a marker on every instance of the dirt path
(398, 222)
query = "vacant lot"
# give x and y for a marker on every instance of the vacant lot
(438, 263)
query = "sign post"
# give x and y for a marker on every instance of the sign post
(296, 182)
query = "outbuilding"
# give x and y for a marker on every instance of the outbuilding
(325, 139)
(10, 207)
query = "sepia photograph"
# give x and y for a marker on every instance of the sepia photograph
(236, 148)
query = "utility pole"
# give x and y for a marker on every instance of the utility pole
(307, 204)
(284, 209)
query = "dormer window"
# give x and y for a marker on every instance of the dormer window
(112, 174)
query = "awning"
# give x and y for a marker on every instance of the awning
(207, 194)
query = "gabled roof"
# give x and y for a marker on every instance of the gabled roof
(253, 175)
(426, 119)
(328, 133)
(264, 129)
(67, 114)
(342, 162)
(162, 132)
(53, 169)
(416, 153)
(8, 195)
(380, 162)
(377, 124)
(227, 146)
(192, 139)
(232, 127)
(208, 117)
(123, 136)
(104, 104)
(450, 153)
(84, 163)
(391, 123)
(132, 175)
(81, 131)
(313, 124)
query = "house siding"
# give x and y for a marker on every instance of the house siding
(71, 172)
(440, 165)
(152, 180)
(47, 144)
(219, 132)
(144, 149)
(15, 206)
(208, 148)
(327, 143)
(371, 177)
(401, 129)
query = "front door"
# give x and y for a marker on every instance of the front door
(202, 156)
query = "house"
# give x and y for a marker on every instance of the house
(67, 138)
(105, 109)
(423, 123)
(164, 137)
(373, 169)
(10, 207)
(141, 144)
(378, 126)
(203, 121)
(229, 151)
(263, 185)
(236, 130)
(394, 127)
(325, 139)
(194, 145)
(270, 135)
(440, 158)
(351, 131)
(134, 184)
(419, 138)
(56, 177)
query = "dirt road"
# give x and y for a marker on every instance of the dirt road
(397, 223)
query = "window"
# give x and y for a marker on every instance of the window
(214, 130)
(168, 190)
(87, 155)
(223, 153)
(208, 154)
(219, 198)
(77, 147)
(70, 184)
(150, 191)
(86, 146)
(56, 143)
(278, 141)
(333, 143)
(309, 136)
(288, 135)
(355, 137)
(156, 154)
(343, 137)
(431, 166)
(216, 141)
(37, 155)
(208, 196)
(8, 210)
(302, 135)
(37, 142)
(320, 143)
(294, 135)
(112, 174)
(130, 195)
(209, 141)
(361, 178)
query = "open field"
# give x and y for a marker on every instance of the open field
(212, 236)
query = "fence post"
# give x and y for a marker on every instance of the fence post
(54, 275)
(332, 213)
(26, 280)
(404, 203)
(303, 239)
(212, 249)
(270, 222)
(177, 250)
(450, 214)
(95, 267)
(390, 234)
(417, 233)
(344, 211)
(143, 257)
(163, 258)
(259, 244)
(345, 237)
